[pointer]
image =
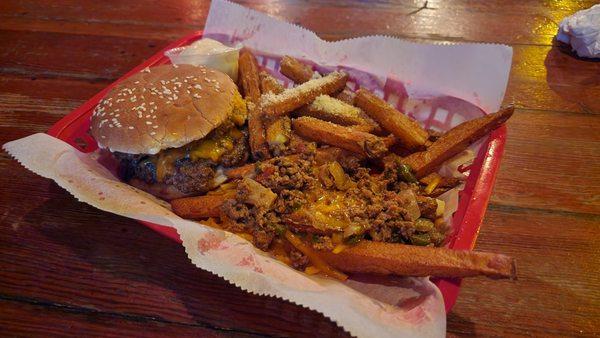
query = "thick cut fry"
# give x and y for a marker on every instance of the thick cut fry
(290, 99)
(247, 170)
(256, 133)
(248, 74)
(346, 95)
(339, 136)
(200, 207)
(454, 141)
(410, 260)
(366, 128)
(277, 132)
(407, 130)
(327, 108)
(296, 70)
(269, 84)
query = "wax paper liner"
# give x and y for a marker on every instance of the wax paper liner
(440, 86)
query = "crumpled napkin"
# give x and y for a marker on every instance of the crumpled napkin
(582, 31)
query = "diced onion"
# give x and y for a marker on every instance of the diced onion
(352, 230)
(311, 270)
(339, 248)
(433, 184)
(441, 207)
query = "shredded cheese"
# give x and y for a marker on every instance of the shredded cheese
(334, 106)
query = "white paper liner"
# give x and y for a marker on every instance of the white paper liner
(384, 307)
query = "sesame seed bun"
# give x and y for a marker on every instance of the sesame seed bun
(162, 107)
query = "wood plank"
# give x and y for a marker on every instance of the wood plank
(551, 162)
(62, 251)
(506, 22)
(42, 319)
(542, 77)
(66, 267)
(32, 87)
(556, 293)
(89, 58)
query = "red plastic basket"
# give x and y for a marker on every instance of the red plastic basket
(473, 200)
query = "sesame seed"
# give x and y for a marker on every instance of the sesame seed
(148, 122)
(131, 127)
(152, 133)
(154, 127)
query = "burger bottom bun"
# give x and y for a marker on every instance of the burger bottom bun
(160, 190)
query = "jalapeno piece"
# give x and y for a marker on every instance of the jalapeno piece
(405, 172)
(420, 239)
(423, 225)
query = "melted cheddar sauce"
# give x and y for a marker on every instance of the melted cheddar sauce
(212, 147)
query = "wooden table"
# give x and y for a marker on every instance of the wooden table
(69, 269)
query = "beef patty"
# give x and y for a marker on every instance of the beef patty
(187, 175)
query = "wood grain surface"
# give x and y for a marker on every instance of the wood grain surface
(69, 269)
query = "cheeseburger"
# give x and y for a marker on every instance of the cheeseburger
(172, 129)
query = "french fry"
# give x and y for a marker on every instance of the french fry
(269, 84)
(200, 207)
(339, 136)
(248, 74)
(407, 130)
(454, 141)
(390, 140)
(327, 108)
(346, 95)
(247, 170)
(256, 133)
(366, 128)
(296, 70)
(277, 132)
(410, 260)
(290, 99)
